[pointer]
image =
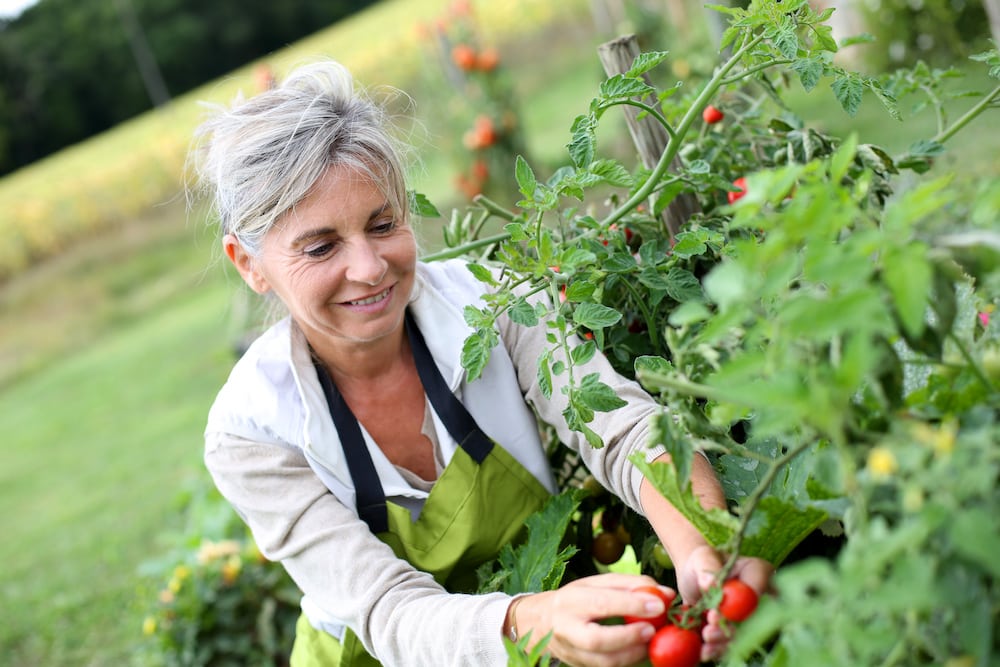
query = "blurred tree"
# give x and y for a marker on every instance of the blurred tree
(68, 69)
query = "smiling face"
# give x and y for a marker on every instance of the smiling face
(342, 261)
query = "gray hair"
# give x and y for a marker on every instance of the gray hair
(261, 156)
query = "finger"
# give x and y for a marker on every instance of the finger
(596, 644)
(756, 573)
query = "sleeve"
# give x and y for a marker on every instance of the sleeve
(624, 431)
(401, 615)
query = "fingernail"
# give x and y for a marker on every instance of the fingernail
(655, 607)
(647, 633)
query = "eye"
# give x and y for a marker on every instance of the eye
(321, 249)
(384, 226)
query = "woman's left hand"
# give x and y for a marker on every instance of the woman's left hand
(699, 573)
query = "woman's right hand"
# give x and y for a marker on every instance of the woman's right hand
(573, 615)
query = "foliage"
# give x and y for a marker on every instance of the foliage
(221, 601)
(825, 340)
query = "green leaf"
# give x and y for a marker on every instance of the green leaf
(682, 285)
(612, 172)
(581, 354)
(598, 396)
(476, 352)
(620, 87)
(583, 139)
(544, 374)
(523, 313)
(885, 97)
(482, 274)
(652, 364)
(539, 562)
(785, 39)
(841, 160)
(689, 244)
(595, 316)
(777, 527)
(420, 205)
(848, 89)
(717, 526)
(908, 276)
(526, 181)
(646, 61)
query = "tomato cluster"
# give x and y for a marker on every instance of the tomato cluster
(677, 642)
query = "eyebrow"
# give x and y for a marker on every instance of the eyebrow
(310, 234)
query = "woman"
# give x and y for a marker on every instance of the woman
(348, 439)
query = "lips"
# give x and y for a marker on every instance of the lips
(367, 301)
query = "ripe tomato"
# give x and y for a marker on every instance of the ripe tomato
(488, 60)
(712, 115)
(738, 601)
(672, 646)
(656, 621)
(741, 183)
(464, 56)
(606, 547)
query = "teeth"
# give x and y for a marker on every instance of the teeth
(370, 300)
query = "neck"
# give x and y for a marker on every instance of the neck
(360, 362)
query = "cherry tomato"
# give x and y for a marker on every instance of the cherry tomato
(738, 601)
(656, 621)
(607, 548)
(741, 183)
(672, 646)
(464, 56)
(712, 115)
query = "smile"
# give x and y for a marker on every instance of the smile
(372, 299)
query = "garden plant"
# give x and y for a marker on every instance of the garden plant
(822, 328)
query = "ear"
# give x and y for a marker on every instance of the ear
(245, 264)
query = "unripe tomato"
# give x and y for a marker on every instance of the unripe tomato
(672, 646)
(733, 197)
(659, 620)
(738, 601)
(712, 115)
(607, 548)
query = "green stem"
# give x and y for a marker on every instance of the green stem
(648, 109)
(753, 70)
(976, 370)
(495, 208)
(647, 315)
(967, 117)
(747, 508)
(460, 250)
(687, 387)
(674, 144)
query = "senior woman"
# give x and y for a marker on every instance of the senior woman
(348, 438)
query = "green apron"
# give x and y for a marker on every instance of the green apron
(450, 538)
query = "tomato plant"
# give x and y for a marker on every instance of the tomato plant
(673, 646)
(607, 548)
(825, 350)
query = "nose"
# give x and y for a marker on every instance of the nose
(364, 263)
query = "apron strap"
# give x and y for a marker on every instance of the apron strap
(369, 495)
(456, 418)
(462, 426)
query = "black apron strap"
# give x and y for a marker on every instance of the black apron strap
(369, 496)
(456, 418)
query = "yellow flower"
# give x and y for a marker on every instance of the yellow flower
(231, 569)
(148, 625)
(882, 462)
(174, 585)
(182, 572)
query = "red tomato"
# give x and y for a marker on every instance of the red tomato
(660, 620)
(741, 183)
(738, 601)
(672, 646)
(464, 56)
(712, 115)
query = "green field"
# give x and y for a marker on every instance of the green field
(111, 353)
